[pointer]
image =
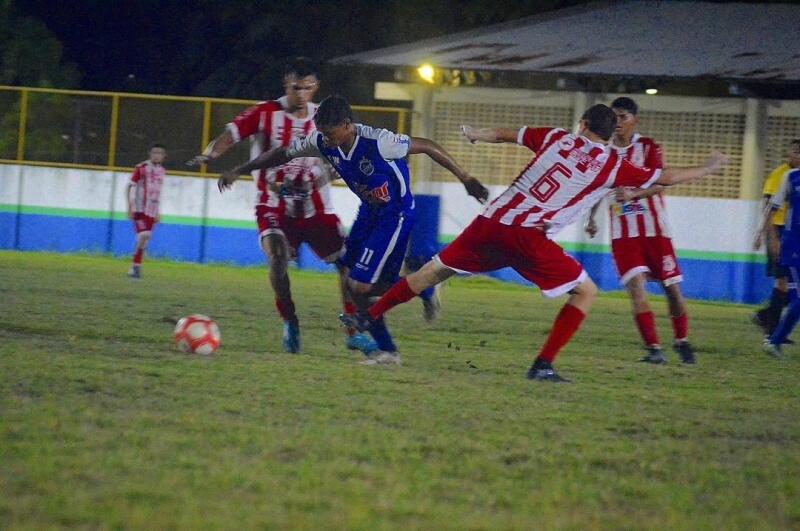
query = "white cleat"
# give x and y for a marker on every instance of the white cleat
(772, 349)
(382, 358)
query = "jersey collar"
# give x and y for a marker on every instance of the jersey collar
(352, 149)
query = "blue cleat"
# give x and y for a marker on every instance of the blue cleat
(291, 337)
(359, 320)
(362, 343)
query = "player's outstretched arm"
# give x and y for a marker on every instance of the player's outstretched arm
(492, 135)
(713, 164)
(591, 224)
(269, 159)
(445, 160)
(214, 150)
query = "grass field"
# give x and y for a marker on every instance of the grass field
(103, 424)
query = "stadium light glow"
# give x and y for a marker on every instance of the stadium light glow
(427, 73)
(651, 91)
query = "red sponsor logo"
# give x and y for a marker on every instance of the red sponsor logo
(380, 194)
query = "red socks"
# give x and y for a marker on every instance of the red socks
(680, 326)
(137, 256)
(286, 309)
(350, 308)
(567, 322)
(397, 294)
(646, 322)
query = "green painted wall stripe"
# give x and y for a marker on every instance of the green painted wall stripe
(444, 239)
(121, 216)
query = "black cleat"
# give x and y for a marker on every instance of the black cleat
(685, 351)
(360, 320)
(654, 355)
(543, 371)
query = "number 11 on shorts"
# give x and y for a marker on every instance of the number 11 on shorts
(366, 256)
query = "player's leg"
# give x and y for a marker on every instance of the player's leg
(430, 297)
(276, 248)
(680, 322)
(564, 327)
(325, 237)
(772, 345)
(767, 317)
(143, 225)
(630, 259)
(643, 316)
(375, 256)
(543, 262)
(464, 255)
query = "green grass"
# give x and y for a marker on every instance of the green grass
(104, 425)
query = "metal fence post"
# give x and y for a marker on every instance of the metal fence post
(203, 170)
(112, 162)
(23, 119)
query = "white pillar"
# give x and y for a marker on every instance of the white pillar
(422, 126)
(753, 147)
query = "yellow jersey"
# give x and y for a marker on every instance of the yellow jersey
(771, 186)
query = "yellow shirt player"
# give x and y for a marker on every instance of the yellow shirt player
(771, 186)
(768, 316)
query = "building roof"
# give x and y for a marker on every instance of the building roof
(644, 38)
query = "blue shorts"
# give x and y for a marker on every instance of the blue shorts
(790, 249)
(376, 247)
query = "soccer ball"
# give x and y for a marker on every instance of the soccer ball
(197, 334)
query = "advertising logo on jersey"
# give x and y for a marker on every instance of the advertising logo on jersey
(632, 208)
(380, 194)
(366, 167)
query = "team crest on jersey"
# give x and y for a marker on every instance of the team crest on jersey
(668, 264)
(566, 143)
(335, 160)
(366, 167)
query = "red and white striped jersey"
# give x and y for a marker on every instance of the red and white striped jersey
(569, 174)
(147, 179)
(640, 217)
(293, 187)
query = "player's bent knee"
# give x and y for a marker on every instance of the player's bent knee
(359, 288)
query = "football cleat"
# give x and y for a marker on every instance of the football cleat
(135, 271)
(432, 306)
(291, 337)
(685, 351)
(362, 343)
(544, 372)
(360, 320)
(654, 355)
(772, 349)
(382, 358)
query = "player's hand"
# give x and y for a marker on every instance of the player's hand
(226, 180)
(199, 160)
(716, 161)
(591, 227)
(130, 213)
(476, 189)
(623, 194)
(469, 133)
(758, 241)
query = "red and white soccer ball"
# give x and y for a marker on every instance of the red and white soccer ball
(197, 334)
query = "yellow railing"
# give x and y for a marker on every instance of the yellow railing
(113, 130)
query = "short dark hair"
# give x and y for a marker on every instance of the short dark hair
(626, 104)
(601, 120)
(157, 146)
(301, 67)
(332, 111)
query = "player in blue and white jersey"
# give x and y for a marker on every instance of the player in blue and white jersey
(371, 162)
(789, 193)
